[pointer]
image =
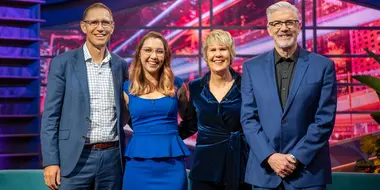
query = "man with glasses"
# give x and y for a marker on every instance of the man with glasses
(82, 126)
(288, 109)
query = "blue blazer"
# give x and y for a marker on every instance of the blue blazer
(67, 109)
(221, 152)
(302, 128)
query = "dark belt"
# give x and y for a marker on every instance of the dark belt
(102, 146)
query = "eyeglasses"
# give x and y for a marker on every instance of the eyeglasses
(149, 51)
(95, 23)
(288, 24)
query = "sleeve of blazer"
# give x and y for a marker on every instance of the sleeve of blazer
(124, 65)
(125, 70)
(52, 113)
(250, 120)
(319, 132)
(189, 124)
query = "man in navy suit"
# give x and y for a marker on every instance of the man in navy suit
(288, 109)
(81, 133)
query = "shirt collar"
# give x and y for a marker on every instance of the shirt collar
(293, 57)
(88, 57)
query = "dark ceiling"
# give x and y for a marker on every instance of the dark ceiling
(58, 12)
(374, 4)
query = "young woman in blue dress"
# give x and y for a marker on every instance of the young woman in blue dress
(154, 98)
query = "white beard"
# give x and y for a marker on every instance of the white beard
(285, 44)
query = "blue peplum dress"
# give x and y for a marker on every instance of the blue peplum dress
(155, 154)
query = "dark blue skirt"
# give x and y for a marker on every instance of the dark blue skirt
(155, 174)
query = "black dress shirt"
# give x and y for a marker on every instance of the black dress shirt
(285, 68)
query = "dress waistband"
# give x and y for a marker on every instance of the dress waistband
(142, 133)
(156, 129)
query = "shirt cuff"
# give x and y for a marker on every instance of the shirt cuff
(293, 157)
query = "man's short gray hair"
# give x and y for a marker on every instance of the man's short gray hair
(281, 5)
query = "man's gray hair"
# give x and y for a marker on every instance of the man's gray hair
(281, 5)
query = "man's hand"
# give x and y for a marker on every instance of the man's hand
(292, 159)
(52, 176)
(282, 164)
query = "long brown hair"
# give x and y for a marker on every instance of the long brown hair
(139, 85)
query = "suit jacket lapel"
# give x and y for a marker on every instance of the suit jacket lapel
(299, 74)
(81, 72)
(270, 71)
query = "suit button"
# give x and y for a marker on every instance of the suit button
(283, 121)
(87, 119)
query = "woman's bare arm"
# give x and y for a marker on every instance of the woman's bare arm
(127, 115)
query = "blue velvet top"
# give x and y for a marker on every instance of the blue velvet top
(155, 126)
(221, 151)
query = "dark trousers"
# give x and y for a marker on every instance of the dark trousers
(205, 185)
(96, 169)
(287, 186)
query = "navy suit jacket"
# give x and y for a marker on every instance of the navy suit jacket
(221, 152)
(67, 109)
(302, 128)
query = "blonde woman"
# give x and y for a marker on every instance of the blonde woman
(154, 97)
(221, 151)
